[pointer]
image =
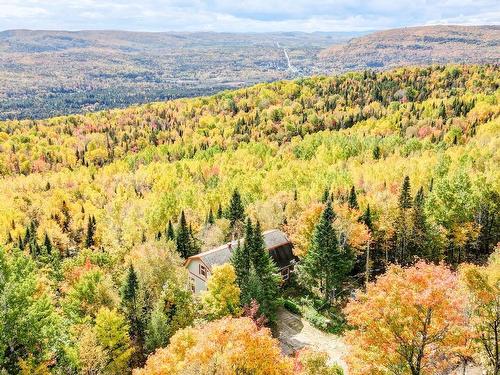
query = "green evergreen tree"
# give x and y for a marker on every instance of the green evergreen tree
(326, 195)
(210, 218)
(402, 229)
(325, 266)
(419, 232)
(405, 200)
(184, 238)
(376, 152)
(219, 212)
(366, 218)
(9, 237)
(66, 221)
(89, 238)
(240, 259)
(129, 301)
(266, 277)
(47, 244)
(170, 231)
(352, 202)
(236, 212)
(256, 273)
(130, 287)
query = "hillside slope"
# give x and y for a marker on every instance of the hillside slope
(49, 73)
(416, 46)
(91, 199)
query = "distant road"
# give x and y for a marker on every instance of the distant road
(290, 67)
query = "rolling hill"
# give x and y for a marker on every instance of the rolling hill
(50, 73)
(416, 46)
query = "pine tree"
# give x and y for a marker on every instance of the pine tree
(366, 218)
(66, 221)
(129, 296)
(47, 244)
(184, 239)
(236, 210)
(210, 218)
(353, 200)
(402, 223)
(256, 273)
(376, 152)
(130, 287)
(170, 231)
(27, 236)
(241, 262)
(266, 276)
(326, 195)
(325, 266)
(89, 239)
(194, 246)
(419, 235)
(9, 238)
(219, 212)
(405, 195)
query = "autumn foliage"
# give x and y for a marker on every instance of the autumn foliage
(223, 347)
(410, 321)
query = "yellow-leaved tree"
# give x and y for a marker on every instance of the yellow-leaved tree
(222, 297)
(222, 347)
(112, 335)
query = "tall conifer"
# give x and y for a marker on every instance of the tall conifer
(170, 231)
(325, 266)
(236, 210)
(353, 199)
(183, 238)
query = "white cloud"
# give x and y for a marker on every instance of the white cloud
(243, 15)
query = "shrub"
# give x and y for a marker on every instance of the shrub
(292, 307)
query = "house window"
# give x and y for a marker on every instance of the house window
(285, 273)
(192, 284)
(203, 270)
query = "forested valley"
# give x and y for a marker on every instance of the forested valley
(387, 184)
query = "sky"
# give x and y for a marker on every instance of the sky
(243, 15)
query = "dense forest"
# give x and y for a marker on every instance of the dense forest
(386, 182)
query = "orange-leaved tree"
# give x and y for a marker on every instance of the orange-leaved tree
(483, 286)
(222, 347)
(410, 321)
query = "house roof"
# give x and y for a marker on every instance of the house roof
(222, 254)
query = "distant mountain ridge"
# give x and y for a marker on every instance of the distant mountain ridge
(417, 46)
(50, 73)
(47, 73)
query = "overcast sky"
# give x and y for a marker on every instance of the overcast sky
(243, 15)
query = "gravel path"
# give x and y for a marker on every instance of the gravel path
(295, 333)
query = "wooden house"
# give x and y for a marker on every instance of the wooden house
(280, 250)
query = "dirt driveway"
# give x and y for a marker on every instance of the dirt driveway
(296, 333)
